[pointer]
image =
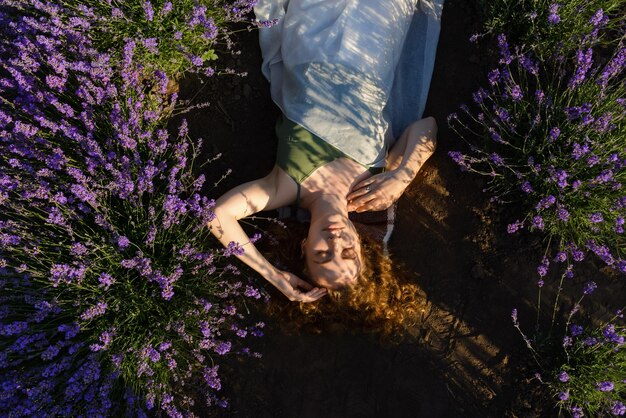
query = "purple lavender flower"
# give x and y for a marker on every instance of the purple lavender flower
(233, 248)
(579, 150)
(603, 123)
(92, 312)
(540, 96)
(606, 386)
(593, 160)
(480, 95)
(610, 334)
(564, 395)
(153, 354)
(514, 315)
(502, 114)
(554, 133)
(577, 254)
(576, 330)
(151, 44)
(512, 228)
(251, 292)
(14, 328)
(564, 377)
(596, 217)
(123, 242)
(554, 17)
(604, 177)
(458, 158)
(526, 187)
(106, 280)
(542, 270)
(223, 347)
(167, 7)
(589, 287)
(618, 408)
(516, 93)
(70, 330)
(229, 310)
(164, 346)
(562, 214)
(494, 76)
(598, 19)
(147, 7)
(197, 61)
(613, 68)
(496, 159)
(589, 341)
(577, 412)
(529, 65)
(78, 249)
(584, 62)
(545, 203)
(504, 49)
(537, 222)
(211, 378)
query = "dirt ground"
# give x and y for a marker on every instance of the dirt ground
(468, 358)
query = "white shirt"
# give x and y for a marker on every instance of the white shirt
(332, 64)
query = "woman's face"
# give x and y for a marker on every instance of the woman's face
(333, 252)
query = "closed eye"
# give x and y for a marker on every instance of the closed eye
(322, 257)
(349, 253)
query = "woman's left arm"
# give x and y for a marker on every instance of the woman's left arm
(416, 144)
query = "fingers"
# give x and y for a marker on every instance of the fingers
(360, 188)
(373, 206)
(358, 193)
(362, 201)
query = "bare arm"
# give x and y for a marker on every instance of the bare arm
(416, 144)
(245, 200)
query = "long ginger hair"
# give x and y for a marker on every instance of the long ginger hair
(384, 301)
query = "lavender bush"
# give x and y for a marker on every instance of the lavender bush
(549, 132)
(585, 372)
(548, 26)
(173, 37)
(113, 295)
(551, 139)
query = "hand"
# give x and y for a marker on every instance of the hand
(378, 192)
(288, 284)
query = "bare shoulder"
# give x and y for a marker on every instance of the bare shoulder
(282, 187)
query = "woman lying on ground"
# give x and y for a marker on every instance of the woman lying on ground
(331, 66)
(332, 249)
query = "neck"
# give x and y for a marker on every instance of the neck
(322, 205)
(328, 187)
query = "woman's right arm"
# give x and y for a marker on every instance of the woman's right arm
(245, 200)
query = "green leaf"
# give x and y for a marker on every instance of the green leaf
(209, 55)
